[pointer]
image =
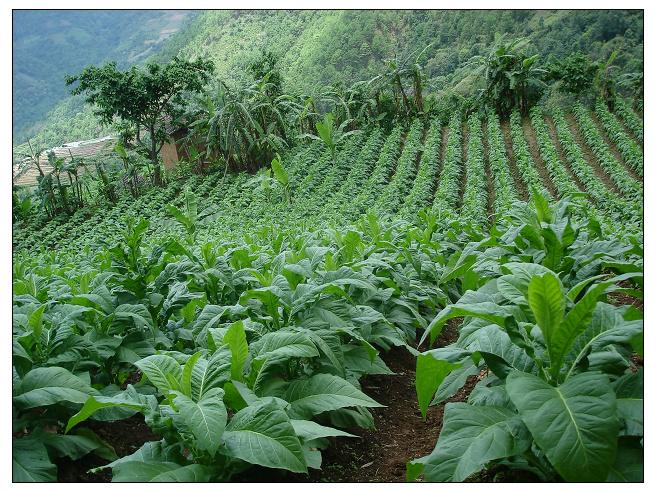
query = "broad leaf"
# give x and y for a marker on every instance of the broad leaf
(575, 424)
(471, 437)
(322, 393)
(205, 419)
(263, 435)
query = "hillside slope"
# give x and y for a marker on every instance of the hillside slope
(327, 47)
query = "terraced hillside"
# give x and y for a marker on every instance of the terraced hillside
(424, 289)
(422, 166)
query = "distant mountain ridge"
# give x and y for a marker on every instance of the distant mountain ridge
(49, 44)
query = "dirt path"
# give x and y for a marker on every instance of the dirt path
(589, 156)
(531, 140)
(491, 193)
(553, 134)
(520, 186)
(613, 148)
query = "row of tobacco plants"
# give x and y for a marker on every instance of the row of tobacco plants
(248, 352)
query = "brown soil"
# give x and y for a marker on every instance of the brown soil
(491, 193)
(589, 156)
(531, 140)
(520, 186)
(125, 436)
(465, 152)
(613, 148)
(561, 153)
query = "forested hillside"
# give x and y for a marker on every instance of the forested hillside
(315, 48)
(49, 44)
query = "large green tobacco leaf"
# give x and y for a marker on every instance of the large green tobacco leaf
(129, 399)
(606, 327)
(471, 437)
(161, 370)
(138, 313)
(431, 371)
(185, 474)
(49, 385)
(578, 318)
(30, 462)
(500, 353)
(322, 393)
(75, 446)
(263, 435)
(307, 430)
(547, 301)
(575, 424)
(210, 373)
(235, 337)
(285, 344)
(472, 303)
(205, 419)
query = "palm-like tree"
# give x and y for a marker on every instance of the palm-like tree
(512, 79)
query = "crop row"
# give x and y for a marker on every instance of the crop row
(446, 196)
(375, 184)
(474, 200)
(523, 157)
(504, 186)
(559, 175)
(629, 186)
(423, 185)
(627, 147)
(631, 120)
(392, 196)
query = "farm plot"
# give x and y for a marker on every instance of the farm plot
(242, 323)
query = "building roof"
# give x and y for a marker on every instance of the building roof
(25, 173)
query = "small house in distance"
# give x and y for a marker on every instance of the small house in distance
(25, 173)
(176, 148)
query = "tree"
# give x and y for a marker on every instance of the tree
(576, 73)
(512, 79)
(143, 98)
(605, 82)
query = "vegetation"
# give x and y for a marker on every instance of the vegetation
(230, 312)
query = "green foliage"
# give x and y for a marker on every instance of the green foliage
(576, 73)
(555, 352)
(143, 98)
(513, 79)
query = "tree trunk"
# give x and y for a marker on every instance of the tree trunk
(153, 156)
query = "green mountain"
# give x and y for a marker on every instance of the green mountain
(315, 48)
(48, 44)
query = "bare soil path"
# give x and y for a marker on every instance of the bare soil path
(531, 140)
(520, 185)
(589, 155)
